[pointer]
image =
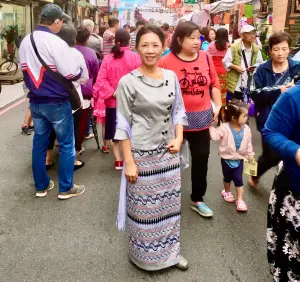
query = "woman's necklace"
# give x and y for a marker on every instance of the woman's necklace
(281, 69)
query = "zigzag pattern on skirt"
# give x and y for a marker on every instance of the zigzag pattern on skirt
(155, 186)
(155, 246)
(156, 257)
(159, 171)
(159, 149)
(160, 209)
(153, 199)
(153, 221)
(159, 233)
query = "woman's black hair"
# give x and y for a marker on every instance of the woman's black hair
(183, 30)
(68, 33)
(279, 37)
(150, 29)
(205, 32)
(82, 35)
(222, 39)
(232, 110)
(122, 39)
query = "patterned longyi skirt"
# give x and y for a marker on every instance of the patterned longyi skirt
(283, 233)
(153, 210)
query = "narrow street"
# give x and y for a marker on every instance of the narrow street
(77, 240)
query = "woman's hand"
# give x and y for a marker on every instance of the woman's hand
(283, 88)
(216, 113)
(131, 172)
(298, 157)
(175, 145)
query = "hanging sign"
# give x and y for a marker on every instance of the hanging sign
(190, 1)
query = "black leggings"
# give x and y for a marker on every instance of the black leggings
(199, 143)
(267, 160)
(76, 118)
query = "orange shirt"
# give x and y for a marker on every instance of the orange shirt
(196, 78)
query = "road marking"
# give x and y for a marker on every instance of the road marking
(12, 106)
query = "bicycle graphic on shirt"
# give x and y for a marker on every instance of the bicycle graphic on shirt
(192, 78)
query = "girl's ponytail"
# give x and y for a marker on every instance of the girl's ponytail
(122, 39)
(116, 51)
(223, 115)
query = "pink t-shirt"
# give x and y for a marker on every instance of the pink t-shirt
(196, 79)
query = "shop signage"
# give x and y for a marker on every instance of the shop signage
(190, 1)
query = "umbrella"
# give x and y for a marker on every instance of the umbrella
(94, 126)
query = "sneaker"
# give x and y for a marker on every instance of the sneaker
(26, 130)
(119, 165)
(202, 209)
(43, 193)
(73, 192)
(183, 264)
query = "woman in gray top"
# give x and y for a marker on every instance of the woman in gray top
(150, 123)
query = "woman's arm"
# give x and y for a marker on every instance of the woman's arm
(131, 171)
(102, 88)
(215, 83)
(280, 126)
(264, 95)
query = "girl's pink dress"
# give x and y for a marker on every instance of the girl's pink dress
(110, 73)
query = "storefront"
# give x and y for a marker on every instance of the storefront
(14, 15)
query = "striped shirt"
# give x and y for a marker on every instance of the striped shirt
(132, 40)
(108, 41)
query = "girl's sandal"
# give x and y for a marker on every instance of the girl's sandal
(241, 206)
(228, 197)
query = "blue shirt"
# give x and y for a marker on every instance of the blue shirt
(282, 132)
(238, 138)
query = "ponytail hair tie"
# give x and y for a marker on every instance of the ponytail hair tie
(118, 43)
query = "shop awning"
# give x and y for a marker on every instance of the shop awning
(16, 2)
(224, 5)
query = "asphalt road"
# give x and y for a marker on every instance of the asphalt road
(76, 240)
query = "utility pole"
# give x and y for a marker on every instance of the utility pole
(108, 7)
(76, 14)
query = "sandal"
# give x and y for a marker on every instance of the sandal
(48, 166)
(105, 149)
(228, 197)
(78, 166)
(241, 206)
(252, 182)
(183, 264)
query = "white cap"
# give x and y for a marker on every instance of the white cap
(247, 28)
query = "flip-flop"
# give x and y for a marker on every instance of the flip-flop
(76, 167)
(48, 166)
(241, 206)
(228, 197)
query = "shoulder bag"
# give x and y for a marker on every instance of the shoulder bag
(68, 85)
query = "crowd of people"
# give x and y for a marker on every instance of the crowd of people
(158, 91)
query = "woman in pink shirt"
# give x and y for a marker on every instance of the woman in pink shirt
(120, 62)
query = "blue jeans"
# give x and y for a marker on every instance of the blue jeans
(45, 118)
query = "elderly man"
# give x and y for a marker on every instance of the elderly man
(50, 101)
(95, 41)
(240, 62)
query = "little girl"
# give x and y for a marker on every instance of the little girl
(235, 146)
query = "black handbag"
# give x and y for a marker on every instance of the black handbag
(68, 85)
